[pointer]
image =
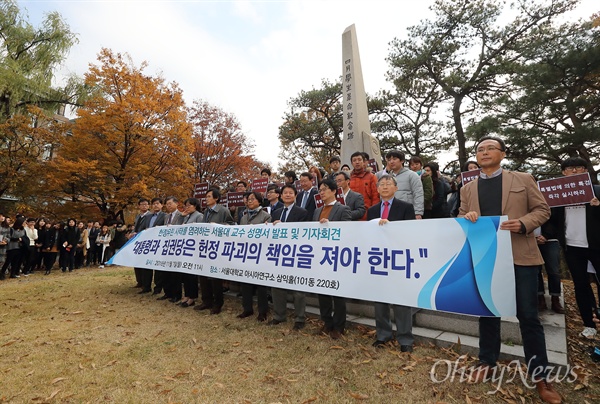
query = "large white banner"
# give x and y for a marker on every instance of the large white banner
(441, 264)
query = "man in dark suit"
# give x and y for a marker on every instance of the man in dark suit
(155, 217)
(332, 211)
(501, 192)
(171, 280)
(354, 200)
(273, 194)
(212, 288)
(392, 209)
(306, 198)
(288, 213)
(139, 225)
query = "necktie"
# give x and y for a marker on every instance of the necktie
(284, 215)
(304, 199)
(386, 210)
(153, 219)
(169, 219)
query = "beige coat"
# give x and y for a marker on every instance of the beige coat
(521, 199)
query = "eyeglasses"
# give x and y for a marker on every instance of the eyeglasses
(488, 149)
(577, 168)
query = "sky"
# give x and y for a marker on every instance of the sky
(247, 57)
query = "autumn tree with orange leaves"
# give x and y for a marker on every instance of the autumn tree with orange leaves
(222, 153)
(131, 140)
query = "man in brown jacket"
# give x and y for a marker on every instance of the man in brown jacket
(501, 192)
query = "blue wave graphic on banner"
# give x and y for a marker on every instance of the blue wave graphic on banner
(131, 240)
(464, 282)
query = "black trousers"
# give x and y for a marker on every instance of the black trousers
(49, 259)
(190, 285)
(146, 278)
(212, 291)
(160, 281)
(261, 294)
(173, 284)
(333, 312)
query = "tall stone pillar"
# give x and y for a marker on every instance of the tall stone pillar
(357, 128)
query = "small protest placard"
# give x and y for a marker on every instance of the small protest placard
(569, 190)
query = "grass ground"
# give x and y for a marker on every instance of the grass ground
(87, 336)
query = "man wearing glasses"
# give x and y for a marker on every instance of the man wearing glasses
(353, 200)
(332, 308)
(501, 192)
(579, 235)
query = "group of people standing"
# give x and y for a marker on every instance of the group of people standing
(395, 193)
(30, 244)
(401, 193)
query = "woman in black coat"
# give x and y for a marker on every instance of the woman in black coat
(70, 238)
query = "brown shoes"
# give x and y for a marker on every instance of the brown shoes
(542, 303)
(547, 392)
(335, 334)
(556, 306)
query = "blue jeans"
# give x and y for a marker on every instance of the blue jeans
(551, 254)
(532, 332)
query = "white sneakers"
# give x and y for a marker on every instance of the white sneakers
(589, 333)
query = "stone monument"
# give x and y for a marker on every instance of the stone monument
(357, 128)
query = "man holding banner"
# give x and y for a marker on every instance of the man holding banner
(501, 192)
(332, 308)
(212, 288)
(392, 209)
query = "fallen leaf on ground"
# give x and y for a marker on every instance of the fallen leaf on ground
(181, 374)
(10, 342)
(54, 393)
(58, 379)
(359, 396)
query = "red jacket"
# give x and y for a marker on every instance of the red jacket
(365, 183)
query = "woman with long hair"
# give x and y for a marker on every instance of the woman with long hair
(102, 242)
(70, 238)
(439, 204)
(14, 250)
(41, 230)
(29, 248)
(316, 173)
(4, 238)
(50, 240)
(454, 202)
